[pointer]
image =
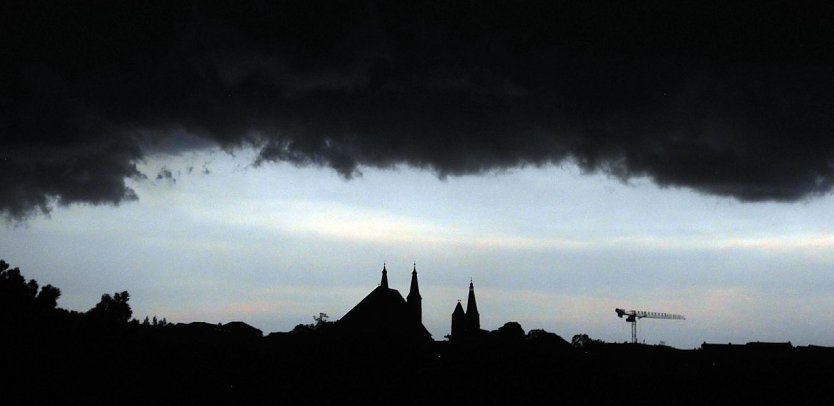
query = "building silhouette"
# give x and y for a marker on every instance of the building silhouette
(466, 324)
(414, 299)
(385, 315)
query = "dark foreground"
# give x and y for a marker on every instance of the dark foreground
(126, 363)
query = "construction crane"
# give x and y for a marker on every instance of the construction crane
(633, 315)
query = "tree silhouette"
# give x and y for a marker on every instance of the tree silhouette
(112, 309)
(583, 341)
(13, 285)
(48, 297)
(32, 287)
(21, 298)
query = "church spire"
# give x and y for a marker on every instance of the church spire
(384, 282)
(458, 322)
(473, 319)
(415, 289)
(414, 299)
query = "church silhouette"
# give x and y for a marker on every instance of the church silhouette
(385, 315)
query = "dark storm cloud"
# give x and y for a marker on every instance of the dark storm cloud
(726, 100)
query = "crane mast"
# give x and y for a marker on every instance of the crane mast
(633, 315)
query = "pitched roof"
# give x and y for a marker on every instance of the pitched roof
(383, 314)
(458, 310)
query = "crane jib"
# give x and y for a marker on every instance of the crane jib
(633, 315)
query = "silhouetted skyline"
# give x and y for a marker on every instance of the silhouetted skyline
(377, 352)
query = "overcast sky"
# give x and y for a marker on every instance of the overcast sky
(260, 162)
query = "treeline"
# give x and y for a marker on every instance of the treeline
(50, 355)
(20, 298)
(23, 301)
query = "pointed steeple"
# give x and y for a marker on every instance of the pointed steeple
(415, 289)
(414, 299)
(384, 282)
(473, 319)
(458, 322)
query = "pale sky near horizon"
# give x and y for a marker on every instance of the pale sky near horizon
(549, 247)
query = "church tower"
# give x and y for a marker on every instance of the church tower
(384, 282)
(414, 299)
(473, 319)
